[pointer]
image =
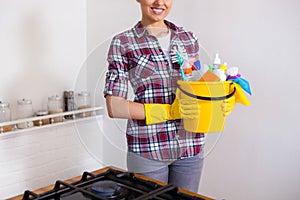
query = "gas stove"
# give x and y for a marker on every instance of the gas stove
(110, 183)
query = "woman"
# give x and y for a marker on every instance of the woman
(158, 146)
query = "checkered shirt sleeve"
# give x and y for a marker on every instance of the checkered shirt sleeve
(116, 83)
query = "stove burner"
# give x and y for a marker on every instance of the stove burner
(105, 188)
(110, 189)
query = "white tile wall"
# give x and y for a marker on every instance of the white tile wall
(35, 158)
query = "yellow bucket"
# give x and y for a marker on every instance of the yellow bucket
(210, 96)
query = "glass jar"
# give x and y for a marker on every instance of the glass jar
(24, 110)
(69, 103)
(55, 106)
(41, 121)
(5, 116)
(83, 102)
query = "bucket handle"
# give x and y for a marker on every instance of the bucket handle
(207, 98)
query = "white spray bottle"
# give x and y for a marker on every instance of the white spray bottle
(216, 62)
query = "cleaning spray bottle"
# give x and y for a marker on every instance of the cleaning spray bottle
(216, 62)
(220, 72)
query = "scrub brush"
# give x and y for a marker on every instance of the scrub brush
(177, 56)
(178, 59)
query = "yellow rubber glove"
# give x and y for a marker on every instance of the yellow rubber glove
(186, 108)
(228, 105)
(156, 113)
(189, 107)
(238, 97)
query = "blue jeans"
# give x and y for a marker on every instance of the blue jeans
(184, 173)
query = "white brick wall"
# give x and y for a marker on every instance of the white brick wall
(35, 158)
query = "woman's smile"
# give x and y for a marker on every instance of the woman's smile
(157, 11)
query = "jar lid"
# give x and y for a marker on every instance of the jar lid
(68, 93)
(54, 98)
(3, 104)
(84, 93)
(24, 101)
(42, 112)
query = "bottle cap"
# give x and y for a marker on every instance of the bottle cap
(42, 112)
(188, 70)
(54, 98)
(84, 93)
(24, 101)
(68, 94)
(217, 60)
(3, 104)
(223, 66)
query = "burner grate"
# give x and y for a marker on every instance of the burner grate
(139, 189)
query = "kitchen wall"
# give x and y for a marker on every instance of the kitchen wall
(35, 158)
(43, 52)
(51, 46)
(257, 155)
(43, 45)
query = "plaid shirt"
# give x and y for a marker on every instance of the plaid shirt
(136, 56)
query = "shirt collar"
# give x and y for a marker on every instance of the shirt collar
(140, 29)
